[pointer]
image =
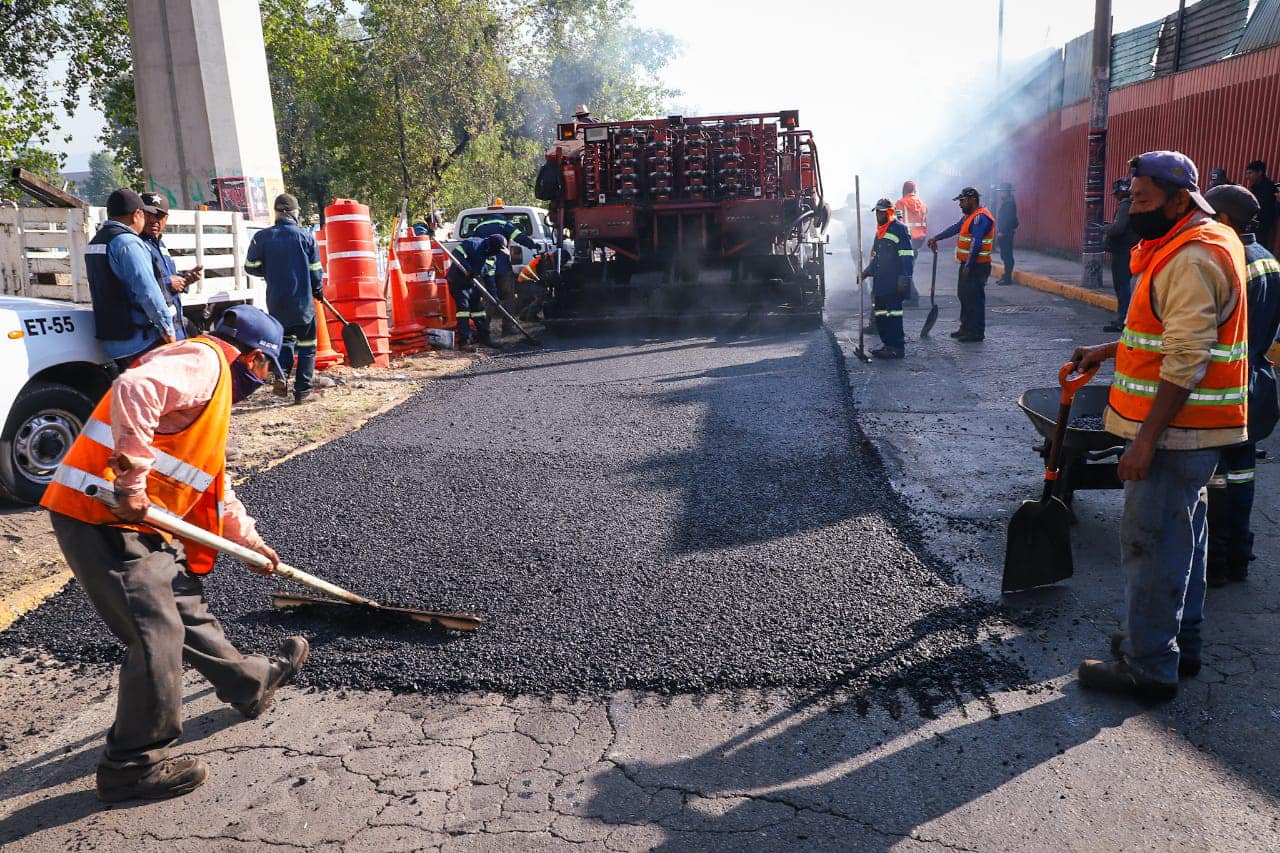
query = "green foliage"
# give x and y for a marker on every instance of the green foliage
(105, 175)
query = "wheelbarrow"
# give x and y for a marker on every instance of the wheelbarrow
(1090, 455)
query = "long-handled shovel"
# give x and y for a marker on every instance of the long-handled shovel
(1038, 551)
(341, 597)
(493, 300)
(861, 351)
(933, 297)
(359, 353)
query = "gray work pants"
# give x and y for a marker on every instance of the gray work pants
(140, 586)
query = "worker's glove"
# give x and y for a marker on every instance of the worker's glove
(904, 285)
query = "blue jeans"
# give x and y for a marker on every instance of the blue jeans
(1163, 538)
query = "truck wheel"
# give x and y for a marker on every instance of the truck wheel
(44, 421)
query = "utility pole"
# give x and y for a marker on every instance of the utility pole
(1000, 129)
(1096, 168)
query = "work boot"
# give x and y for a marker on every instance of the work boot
(309, 397)
(1005, 281)
(959, 333)
(1116, 676)
(887, 353)
(466, 347)
(322, 381)
(285, 663)
(172, 777)
(280, 387)
(969, 338)
(1188, 667)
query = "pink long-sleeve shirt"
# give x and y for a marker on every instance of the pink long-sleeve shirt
(165, 392)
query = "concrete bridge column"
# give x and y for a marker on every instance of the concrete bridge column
(208, 132)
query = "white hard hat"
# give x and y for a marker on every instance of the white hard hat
(582, 110)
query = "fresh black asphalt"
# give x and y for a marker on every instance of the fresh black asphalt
(676, 515)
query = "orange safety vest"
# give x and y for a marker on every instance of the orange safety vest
(530, 271)
(186, 479)
(1221, 400)
(964, 243)
(915, 215)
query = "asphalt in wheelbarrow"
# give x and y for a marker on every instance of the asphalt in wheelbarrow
(1041, 406)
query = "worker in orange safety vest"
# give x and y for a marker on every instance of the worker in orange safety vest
(975, 234)
(158, 439)
(914, 214)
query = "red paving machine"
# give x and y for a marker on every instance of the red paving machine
(684, 216)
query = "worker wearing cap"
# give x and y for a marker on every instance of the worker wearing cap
(1180, 395)
(1217, 178)
(1006, 227)
(158, 438)
(582, 115)
(1119, 239)
(890, 271)
(130, 310)
(974, 234)
(171, 283)
(287, 257)
(1231, 489)
(425, 226)
(469, 258)
(498, 269)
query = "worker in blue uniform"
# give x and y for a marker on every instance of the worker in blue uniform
(890, 270)
(172, 284)
(469, 258)
(286, 255)
(425, 226)
(1231, 489)
(499, 275)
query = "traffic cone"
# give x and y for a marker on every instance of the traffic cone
(407, 334)
(326, 355)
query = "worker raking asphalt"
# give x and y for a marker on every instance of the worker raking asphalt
(679, 515)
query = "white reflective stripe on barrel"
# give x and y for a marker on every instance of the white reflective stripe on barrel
(337, 256)
(349, 217)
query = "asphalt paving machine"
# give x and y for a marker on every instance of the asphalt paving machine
(686, 216)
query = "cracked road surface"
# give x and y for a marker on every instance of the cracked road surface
(856, 768)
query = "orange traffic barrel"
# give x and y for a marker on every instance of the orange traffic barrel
(407, 334)
(426, 296)
(326, 355)
(354, 286)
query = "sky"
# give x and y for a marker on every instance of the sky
(866, 76)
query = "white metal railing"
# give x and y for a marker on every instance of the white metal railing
(42, 253)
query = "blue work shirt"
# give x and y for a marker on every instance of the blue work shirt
(287, 257)
(982, 226)
(160, 252)
(498, 224)
(470, 254)
(1264, 323)
(892, 258)
(130, 260)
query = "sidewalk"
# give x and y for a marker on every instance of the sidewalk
(1060, 276)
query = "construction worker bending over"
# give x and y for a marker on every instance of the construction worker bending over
(976, 232)
(890, 271)
(1179, 396)
(159, 437)
(469, 258)
(131, 312)
(499, 270)
(287, 257)
(1231, 489)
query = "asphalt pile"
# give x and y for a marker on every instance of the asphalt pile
(677, 516)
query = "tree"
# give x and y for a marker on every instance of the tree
(105, 175)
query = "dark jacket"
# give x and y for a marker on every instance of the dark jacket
(167, 269)
(892, 258)
(470, 255)
(1264, 190)
(287, 257)
(1007, 218)
(1119, 236)
(1264, 323)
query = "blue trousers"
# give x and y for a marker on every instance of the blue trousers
(470, 305)
(1230, 505)
(972, 290)
(887, 306)
(300, 344)
(1120, 280)
(1163, 539)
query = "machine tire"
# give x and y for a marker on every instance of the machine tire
(45, 419)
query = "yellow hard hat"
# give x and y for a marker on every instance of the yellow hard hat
(497, 202)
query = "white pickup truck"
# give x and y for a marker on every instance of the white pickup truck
(533, 221)
(53, 370)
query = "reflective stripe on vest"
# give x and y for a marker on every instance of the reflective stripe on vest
(964, 243)
(187, 479)
(1220, 401)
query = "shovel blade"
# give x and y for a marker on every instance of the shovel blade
(453, 621)
(929, 321)
(359, 353)
(1038, 551)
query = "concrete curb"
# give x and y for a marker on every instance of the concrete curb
(1069, 291)
(30, 596)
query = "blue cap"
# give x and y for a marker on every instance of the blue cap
(1174, 167)
(252, 328)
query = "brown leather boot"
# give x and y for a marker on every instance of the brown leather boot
(172, 777)
(285, 663)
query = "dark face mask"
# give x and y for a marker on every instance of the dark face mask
(243, 382)
(881, 217)
(1151, 224)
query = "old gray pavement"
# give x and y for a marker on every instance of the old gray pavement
(1047, 767)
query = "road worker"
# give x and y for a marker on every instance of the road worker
(469, 258)
(890, 270)
(286, 255)
(171, 283)
(914, 214)
(425, 225)
(1006, 227)
(158, 438)
(1231, 489)
(131, 313)
(976, 233)
(1178, 397)
(531, 288)
(582, 115)
(498, 270)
